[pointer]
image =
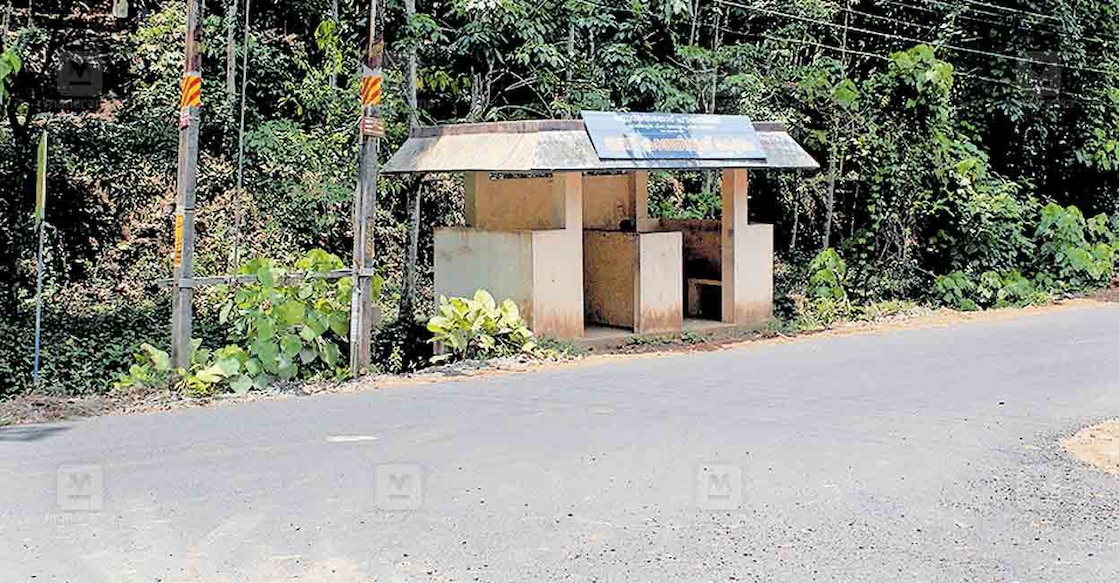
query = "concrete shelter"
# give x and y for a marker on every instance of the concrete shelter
(570, 238)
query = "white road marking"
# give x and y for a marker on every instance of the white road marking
(349, 438)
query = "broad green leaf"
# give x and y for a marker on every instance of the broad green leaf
(229, 366)
(160, 359)
(290, 313)
(286, 369)
(266, 277)
(291, 345)
(267, 351)
(241, 384)
(210, 375)
(330, 353)
(340, 324)
(252, 367)
(265, 328)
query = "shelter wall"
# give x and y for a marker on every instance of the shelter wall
(467, 260)
(607, 201)
(609, 277)
(516, 204)
(753, 274)
(556, 283)
(633, 280)
(660, 293)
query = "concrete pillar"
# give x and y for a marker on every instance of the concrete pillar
(747, 256)
(567, 196)
(557, 286)
(475, 184)
(639, 193)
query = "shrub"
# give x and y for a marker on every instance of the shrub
(479, 328)
(83, 348)
(825, 301)
(991, 290)
(1074, 253)
(885, 309)
(402, 346)
(828, 276)
(279, 330)
(956, 289)
(208, 370)
(290, 330)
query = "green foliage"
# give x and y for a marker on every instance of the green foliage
(990, 290)
(479, 328)
(1074, 253)
(280, 328)
(828, 276)
(10, 64)
(560, 349)
(955, 289)
(826, 300)
(289, 330)
(1069, 254)
(937, 172)
(82, 348)
(401, 346)
(882, 310)
(208, 372)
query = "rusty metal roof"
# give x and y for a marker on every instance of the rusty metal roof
(558, 145)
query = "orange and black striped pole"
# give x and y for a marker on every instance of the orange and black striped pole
(190, 103)
(371, 128)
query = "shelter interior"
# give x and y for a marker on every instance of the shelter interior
(574, 249)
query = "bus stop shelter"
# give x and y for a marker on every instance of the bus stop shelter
(567, 235)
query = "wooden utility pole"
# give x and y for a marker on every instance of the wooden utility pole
(231, 57)
(190, 103)
(835, 137)
(363, 313)
(408, 302)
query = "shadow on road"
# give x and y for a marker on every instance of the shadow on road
(18, 433)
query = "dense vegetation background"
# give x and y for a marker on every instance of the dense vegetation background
(949, 124)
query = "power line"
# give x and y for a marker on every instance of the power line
(955, 15)
(878, 56)
(1010, 9)
(888, 35)
(1043, 26)
(889, 19)
(910, 39)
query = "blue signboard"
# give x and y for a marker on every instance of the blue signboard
(669, 136)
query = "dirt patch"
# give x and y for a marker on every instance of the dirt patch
(1097, 445)
(1111, 294)
(47, 409)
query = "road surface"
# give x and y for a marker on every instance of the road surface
(909, 456)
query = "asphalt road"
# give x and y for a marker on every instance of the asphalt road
(924, 456)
